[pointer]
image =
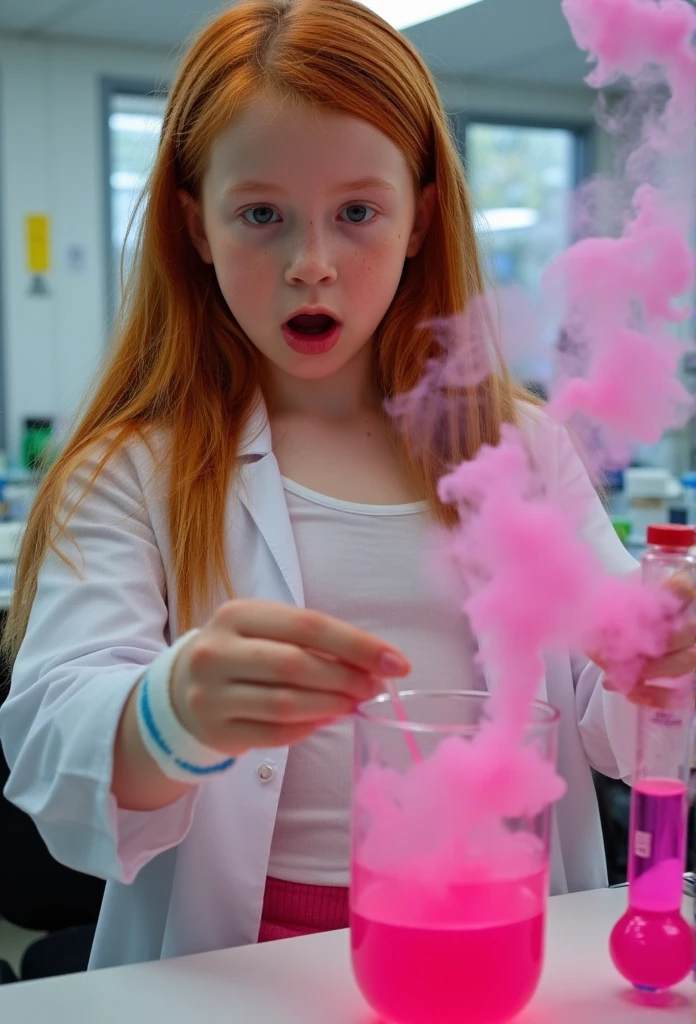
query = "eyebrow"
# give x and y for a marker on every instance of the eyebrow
(267, 188)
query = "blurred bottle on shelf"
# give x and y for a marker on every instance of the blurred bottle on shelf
(650, 491)
(689, 495)
(36, 444)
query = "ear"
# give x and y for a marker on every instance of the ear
(424, 217)
(193, 218)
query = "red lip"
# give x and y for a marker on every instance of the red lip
(313, 311)
(306, 345)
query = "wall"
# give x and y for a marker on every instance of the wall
(51, 161)
(551, 104)
(502, 99)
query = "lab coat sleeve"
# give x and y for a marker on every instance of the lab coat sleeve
(88, 641)
(607, 720)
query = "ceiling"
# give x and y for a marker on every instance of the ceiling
(510, 40)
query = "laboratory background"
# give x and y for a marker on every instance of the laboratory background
(83, 89)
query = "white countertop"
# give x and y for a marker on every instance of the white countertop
(309, 981)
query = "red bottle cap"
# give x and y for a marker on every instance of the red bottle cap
(672, 535)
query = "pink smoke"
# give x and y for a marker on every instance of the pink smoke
(527, 580)
(619, 293)
(534, 584)
(625, 37)
(501, 322)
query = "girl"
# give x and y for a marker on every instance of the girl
(234, 523)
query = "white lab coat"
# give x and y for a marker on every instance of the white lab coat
(190, 877)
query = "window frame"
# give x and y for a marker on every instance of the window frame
(583, 133)
(3, 305)
(111, 87)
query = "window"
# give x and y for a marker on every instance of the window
(521, 178)
(134, 123)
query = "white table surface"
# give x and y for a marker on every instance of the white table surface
(309, 981)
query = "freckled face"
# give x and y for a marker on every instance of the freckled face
(302, 207)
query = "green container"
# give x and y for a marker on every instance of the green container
(36, 443)
(624, 528)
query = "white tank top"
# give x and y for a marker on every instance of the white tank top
(359, 563)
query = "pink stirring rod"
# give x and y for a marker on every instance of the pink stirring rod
(403, 717)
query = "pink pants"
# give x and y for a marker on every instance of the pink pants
(291, 909)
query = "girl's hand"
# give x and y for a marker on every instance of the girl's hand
(262, 674)
(678, 660)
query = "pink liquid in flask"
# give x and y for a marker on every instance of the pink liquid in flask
(652, 944)
(475, 957)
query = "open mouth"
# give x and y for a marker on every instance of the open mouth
(312, 325)
(312, 334)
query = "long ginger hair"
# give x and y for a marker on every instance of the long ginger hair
(180, 361)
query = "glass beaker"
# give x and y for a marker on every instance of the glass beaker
(449, 882)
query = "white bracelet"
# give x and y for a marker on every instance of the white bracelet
(175, 750)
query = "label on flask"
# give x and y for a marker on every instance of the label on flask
(642, 845)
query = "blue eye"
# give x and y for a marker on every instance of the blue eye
(358, 209)
(266, 211)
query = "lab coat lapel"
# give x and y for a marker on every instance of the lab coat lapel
(261, 492)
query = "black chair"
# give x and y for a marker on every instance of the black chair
(614, 799)
(7, 975)
(63, 952)
(38, 893)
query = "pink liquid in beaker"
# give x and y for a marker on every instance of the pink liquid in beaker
(652, 944)
(477, 960)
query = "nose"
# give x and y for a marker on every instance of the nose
(311, 260)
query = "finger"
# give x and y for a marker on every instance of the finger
(658, 697)
(239, 737)
(280, 705)
(597, 660)
(312, 629)
(268, 662)
(682, 639)
(649, 696)
(683, 586)
(672, 665)
(654, 696)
